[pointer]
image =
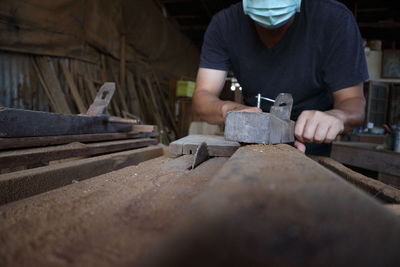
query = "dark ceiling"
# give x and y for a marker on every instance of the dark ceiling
(377, 19)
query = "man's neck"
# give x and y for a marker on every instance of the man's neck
(271, 37)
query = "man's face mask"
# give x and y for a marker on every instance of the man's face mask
(271, 13)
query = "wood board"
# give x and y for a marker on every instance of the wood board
(376, 188)
(110, 220)
(27, 123)
(364, 155)
(217, 145)
(26, 183)
(25, 142)
(273, 206)
(11, 159)
(72, 87)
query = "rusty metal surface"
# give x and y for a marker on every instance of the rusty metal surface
(17, 88)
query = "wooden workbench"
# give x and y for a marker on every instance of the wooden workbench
(263, 206)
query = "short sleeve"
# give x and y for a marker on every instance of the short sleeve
(214, 52)
(344, 64)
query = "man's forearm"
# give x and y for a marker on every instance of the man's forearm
(350, 111)
(208, 107)
(213, 110)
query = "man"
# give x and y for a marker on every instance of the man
(311, 49)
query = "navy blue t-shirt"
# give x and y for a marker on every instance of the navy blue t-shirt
(320, 53)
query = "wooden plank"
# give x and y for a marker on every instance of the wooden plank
(50, 97)
(395, 208)
(26, 183)
(389, 179)
(25, 142)
(27, 123)
(11, 159)
(172, 92)
(132, 92)
(217, 145)
(164, 104)
(156, 108)
(273, 206)
(364, 156)
(114, 219)
(375, 188)
(49, 77)
(141, 128)
(74, 90)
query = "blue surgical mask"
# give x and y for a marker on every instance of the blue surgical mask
(271, 13)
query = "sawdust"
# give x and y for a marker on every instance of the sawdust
(107, 220)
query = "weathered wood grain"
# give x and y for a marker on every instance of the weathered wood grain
(11, 159)
(273, 206)
(26, 183)
(216, 145)
(365, 156)
(111, 220)
(27, 123)
(25, 142)
(376, 188)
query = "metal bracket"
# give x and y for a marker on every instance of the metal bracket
(201, 155)
(282, 107)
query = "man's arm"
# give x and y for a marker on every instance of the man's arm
(206, 100)
(323, 127)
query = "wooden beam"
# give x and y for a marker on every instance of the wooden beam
(11, 159)
(26, 183)
(216, 145)
(141, 128)
(273, 206)
(48, 78)
(24, 142)
(364, 156)
(114, 219)
(74, 90)
(395, 208)
(376, 188)
(389, 179)
(27, 123)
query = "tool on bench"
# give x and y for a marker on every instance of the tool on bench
(261, 127)
(101, 101)
(201, 155)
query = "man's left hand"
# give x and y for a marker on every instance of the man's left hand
(315, 126)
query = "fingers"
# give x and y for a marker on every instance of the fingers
(300, 146)
(331, 135)
(321, 133)
(299, 128)
(251, 109)
(309, 130)
(318, 127)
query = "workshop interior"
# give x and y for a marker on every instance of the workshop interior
(199, 133)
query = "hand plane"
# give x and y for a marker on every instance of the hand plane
(261, 127)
